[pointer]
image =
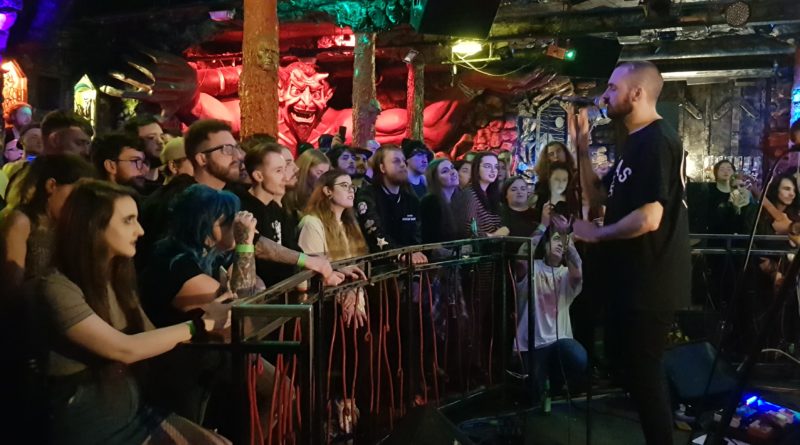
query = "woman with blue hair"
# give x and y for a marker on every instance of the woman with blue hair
(208, 237)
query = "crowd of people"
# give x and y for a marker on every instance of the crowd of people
(119, 246)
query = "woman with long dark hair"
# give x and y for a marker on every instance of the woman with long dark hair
(555, 194)
(516, 212)
(312, 164)
(553, 152)
(94, 328)
(27, 224)
(330, 227)
(437, 212)
(482, 199)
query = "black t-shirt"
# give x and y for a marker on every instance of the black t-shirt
(652, 271)
(154, 216)
(160, 282)
(519, 223)
(437, 222)
(279, 225)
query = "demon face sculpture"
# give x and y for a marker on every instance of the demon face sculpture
(303, 96)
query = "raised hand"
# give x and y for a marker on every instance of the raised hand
(244, 227)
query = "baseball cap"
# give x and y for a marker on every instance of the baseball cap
(412, 147)
(173, 151)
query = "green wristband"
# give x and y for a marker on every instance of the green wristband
(245, 248)
(301, 261)
(192, 330)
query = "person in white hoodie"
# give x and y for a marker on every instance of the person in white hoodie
(557, 280)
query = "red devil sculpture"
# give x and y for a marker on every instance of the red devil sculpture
(189, 94)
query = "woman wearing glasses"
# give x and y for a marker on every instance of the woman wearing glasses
(330, 227)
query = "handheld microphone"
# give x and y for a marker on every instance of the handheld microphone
(581, 101)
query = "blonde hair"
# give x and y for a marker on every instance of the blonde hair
(345, 240)
(296, 199)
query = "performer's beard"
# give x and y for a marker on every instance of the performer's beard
(620, 110)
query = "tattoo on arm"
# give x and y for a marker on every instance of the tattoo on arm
(243, 278)
(269, 250)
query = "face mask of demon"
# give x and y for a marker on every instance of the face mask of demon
(303, 96)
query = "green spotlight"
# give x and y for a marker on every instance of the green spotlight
(570, 54)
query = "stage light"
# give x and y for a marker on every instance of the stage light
(467, 47)
(570, 55)
(225, 15)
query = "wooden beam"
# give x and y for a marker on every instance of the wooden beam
(258, 88)
(519, 21)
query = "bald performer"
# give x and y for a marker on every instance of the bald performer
(645, 236)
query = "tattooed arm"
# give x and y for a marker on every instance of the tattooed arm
(243, 277)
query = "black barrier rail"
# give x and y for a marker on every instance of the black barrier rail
(433, 333)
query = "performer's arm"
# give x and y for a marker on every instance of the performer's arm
(592, 185)
(646, 218)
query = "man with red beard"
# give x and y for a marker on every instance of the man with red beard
(387, 210)
(645, 236)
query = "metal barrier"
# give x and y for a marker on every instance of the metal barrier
(433, 333)
(338, 380)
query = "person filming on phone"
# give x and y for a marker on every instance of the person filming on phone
(645, 237)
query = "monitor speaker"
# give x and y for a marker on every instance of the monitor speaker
(457, 18)
(688, 367)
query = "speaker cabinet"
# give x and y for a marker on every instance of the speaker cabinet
(688, 367)
(457, 18)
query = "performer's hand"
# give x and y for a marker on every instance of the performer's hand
(561, 224)
(586, 231)
(584, 129)
(782, 225)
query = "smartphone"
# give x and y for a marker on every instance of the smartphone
(343, 132)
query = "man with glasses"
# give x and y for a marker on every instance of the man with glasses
(119, 158)
(148, 128)
(216, 158)
(214, 153)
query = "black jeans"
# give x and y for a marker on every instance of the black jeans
(635, 342)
